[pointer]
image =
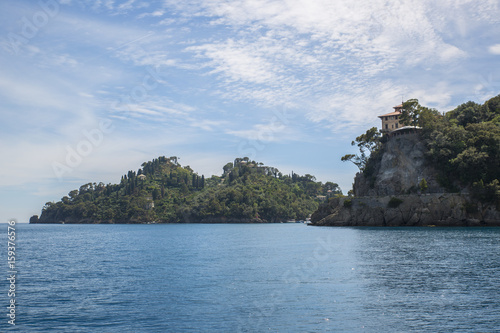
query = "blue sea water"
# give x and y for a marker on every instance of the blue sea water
(253, 278)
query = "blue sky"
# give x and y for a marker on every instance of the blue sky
(91, 89)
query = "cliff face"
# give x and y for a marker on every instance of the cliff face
(392, 195)
(436, 209)
(400, 170)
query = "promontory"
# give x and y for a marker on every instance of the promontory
(424, 168)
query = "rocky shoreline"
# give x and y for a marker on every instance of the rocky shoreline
(435, 209)
(392, 195)
(211, 220)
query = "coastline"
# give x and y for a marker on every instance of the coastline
(432, 210)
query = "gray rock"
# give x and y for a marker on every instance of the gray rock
(400, 170)
(398, 175)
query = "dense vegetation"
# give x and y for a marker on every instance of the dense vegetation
(164, 191)
(463, 145)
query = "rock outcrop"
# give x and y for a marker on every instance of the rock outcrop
(436, 209)
(401, 169)
(392, 195)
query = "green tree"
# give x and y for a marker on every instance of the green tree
(468, 113)
(414, 114)
(156, 194)
(227, 168)
(410, 112)
(367, 143)
(184, 188)
(73, 195)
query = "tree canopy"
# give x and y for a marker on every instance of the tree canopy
(414, 114)
(368, 143)
(165, 191)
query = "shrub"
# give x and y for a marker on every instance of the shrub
(394, 202)
(423, 185)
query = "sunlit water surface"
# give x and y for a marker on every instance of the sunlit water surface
(253, 278)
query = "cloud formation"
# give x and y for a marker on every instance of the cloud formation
(197, 78)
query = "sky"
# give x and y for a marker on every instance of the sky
(92, 89)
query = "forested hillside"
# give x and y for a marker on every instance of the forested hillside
(164, 191)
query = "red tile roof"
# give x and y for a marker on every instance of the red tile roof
(395, 113)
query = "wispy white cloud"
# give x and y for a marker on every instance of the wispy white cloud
(273, 131)
(209, 125)
(238, 62)
(127, 5)
(154, 108)
(494, 49)
(291, 51)
(156, 13)
(358, 28)
(356, 109)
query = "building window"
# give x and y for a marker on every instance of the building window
(397, 125)
(386, 126)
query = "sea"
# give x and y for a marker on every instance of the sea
(286, 277)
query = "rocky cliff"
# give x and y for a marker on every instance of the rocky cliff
(436, 209)
(400, 170)
(392, 195)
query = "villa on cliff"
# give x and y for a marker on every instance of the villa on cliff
(390, 121)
